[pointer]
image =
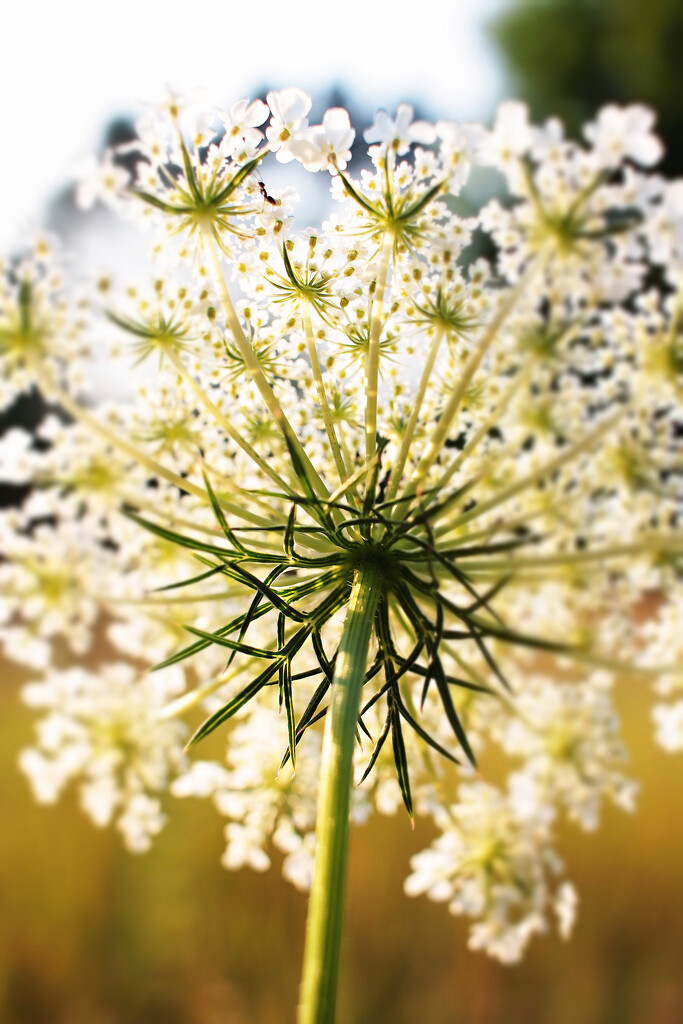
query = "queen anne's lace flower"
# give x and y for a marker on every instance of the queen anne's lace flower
(242, 127)
(511, 137)
(400, 132)
(327, 145)
(625, 132)
(496, 442)
(668, 719)
(102, 729)
(289, 121)
(491, 865)
(568, 736)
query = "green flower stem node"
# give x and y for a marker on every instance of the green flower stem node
(326, 909)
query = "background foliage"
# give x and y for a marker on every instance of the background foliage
(568, 57)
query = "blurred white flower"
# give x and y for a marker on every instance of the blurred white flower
(401, 132)
(625, 133)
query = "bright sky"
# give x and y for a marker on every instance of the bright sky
(70, 65)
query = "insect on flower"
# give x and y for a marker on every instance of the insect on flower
(262, 189)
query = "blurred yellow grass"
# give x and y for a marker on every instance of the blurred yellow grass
(92, 935)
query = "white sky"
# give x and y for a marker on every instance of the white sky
(69, 65)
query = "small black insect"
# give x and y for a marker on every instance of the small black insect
(262, 189)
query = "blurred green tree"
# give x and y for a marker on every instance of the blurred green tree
(568, 57)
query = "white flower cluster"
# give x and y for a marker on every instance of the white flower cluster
(493, 865)
(259, 804)
(103, 727)
(665, 640)
(503, 437)
(568, 736)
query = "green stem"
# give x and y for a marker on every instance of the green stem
(521, 378)
(322, 396)
(566, 455)
(254, 368)
(372, 359)
(326, 908)
(122, 444)
(653, 545)
(225, 422)
(187, 701)
(452, 407)
(397, 469)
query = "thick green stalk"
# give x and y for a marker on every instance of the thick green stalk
(326, 908)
